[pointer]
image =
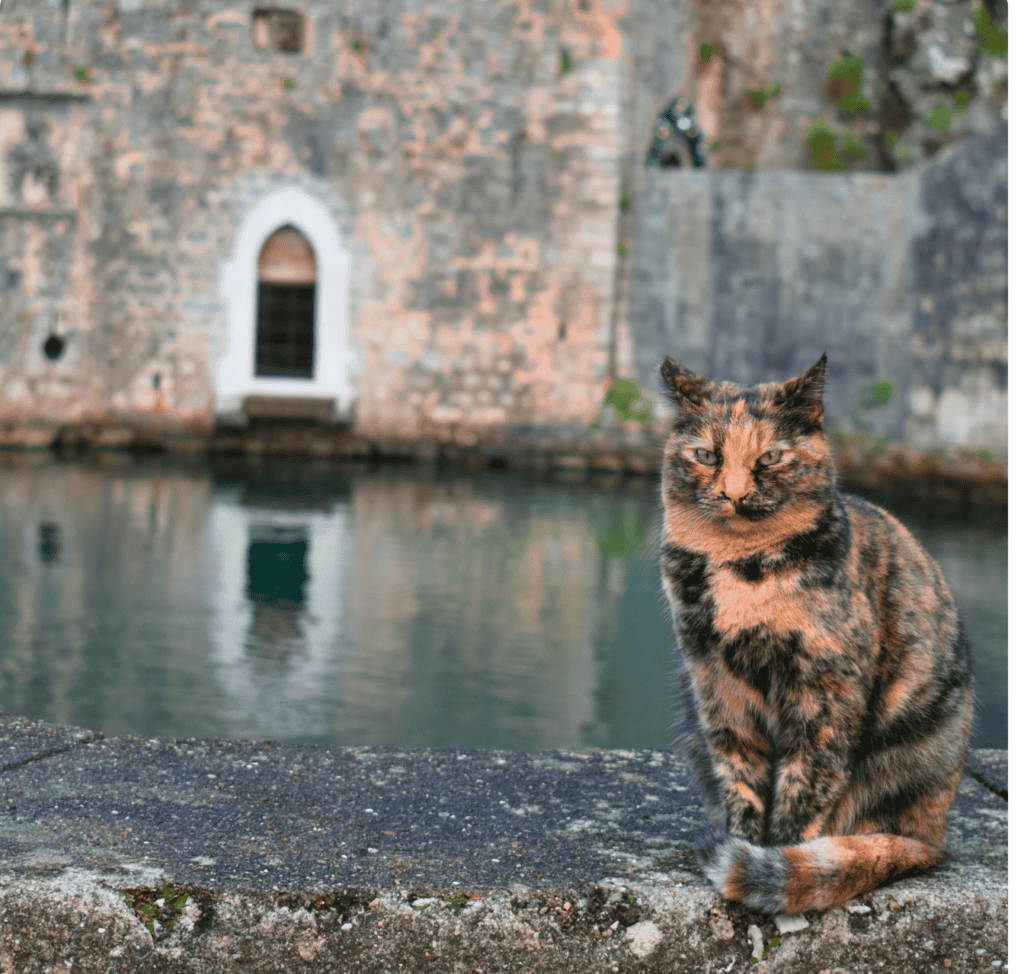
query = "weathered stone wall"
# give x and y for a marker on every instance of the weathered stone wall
(902, 83)
(458, 169)
(465, 152)
(901, 279)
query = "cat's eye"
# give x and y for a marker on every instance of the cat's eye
(707, 457)
(769, 458)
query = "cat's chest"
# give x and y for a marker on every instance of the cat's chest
(775, 600)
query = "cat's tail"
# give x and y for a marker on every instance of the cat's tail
(815, 875)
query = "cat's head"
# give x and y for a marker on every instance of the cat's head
(739, 456)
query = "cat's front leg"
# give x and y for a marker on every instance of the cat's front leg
(810, 775)
(745, 779)
(728, 749)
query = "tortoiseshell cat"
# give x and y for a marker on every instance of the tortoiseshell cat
(826, 689)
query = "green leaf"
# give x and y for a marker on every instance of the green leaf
(903, 6)
(939, 117)
(992, 39)
(855, 102)
(849, 69)
(821, 141)
(883, 391)
(706, 51)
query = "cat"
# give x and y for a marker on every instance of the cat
(826, 686)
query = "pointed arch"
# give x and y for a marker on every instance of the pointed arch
(334, 358)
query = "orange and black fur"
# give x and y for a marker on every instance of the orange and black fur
(826, 687)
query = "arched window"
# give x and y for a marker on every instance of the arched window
(285, 306)
(289, 240)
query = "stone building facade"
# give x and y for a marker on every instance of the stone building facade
(415, 218)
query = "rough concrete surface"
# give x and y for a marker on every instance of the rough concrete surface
(317, 858)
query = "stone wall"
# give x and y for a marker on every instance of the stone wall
(893, 85)
(901, 279)
(470, 178)
(463, 153)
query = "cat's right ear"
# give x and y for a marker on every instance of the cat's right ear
(687, 388)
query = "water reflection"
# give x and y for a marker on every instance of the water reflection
(316, 602)
(49, 541)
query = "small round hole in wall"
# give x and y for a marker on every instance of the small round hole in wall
(53, 347)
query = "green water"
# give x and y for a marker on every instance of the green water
(323, 603)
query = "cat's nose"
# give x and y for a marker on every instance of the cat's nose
(735, 488)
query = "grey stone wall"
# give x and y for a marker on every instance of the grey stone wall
(751, 276)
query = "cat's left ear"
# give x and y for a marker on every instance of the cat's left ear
(687, 388)
(805, 394)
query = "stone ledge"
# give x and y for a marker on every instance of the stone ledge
(322, 858)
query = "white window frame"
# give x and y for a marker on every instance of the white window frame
(333, 356)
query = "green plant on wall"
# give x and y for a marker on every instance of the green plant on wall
(882, 391)
(846, 75)
(866, 400)
(831, 151)
(622, 396)
(992, 39)
(939, 118)
(758, 96)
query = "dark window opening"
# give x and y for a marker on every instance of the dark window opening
(53, 347)
(277, 30)
(284, 330)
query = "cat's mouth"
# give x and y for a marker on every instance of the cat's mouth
(735, 515)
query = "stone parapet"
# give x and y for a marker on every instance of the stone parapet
(204, 855)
